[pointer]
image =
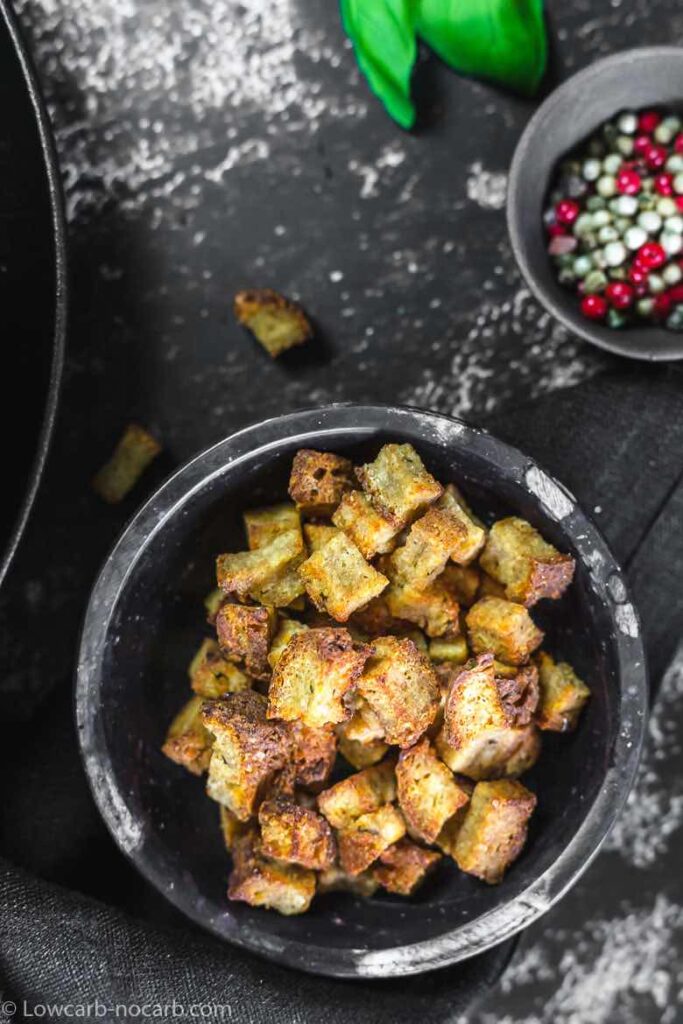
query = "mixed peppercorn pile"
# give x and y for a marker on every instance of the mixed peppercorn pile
(615, 221)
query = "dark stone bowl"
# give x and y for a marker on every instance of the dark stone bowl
(628, 80)
(145, 619)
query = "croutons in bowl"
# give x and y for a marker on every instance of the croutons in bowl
(417, 710)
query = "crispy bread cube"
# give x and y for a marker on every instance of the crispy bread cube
(262, 882)
(454, 651)
(428, 795)
(296, 834)
(338, 580)
(358, 794)
(247, 573)
(263, 525)
(361, 755)
(231, 827)
(318, 480)
(520, 695)
(398, 485)
(449, 833)
(213, 602)
(366, 838)
(335, 880)
(400, 686)
(488, 587)
(248, 751)
(318, 534)
(368, 529)
(287, 628)
(131, 457)
(313, 675)
(529, 568)
(188, 742)
(463, 581)
(434, 608)
(244, 635)
(277, 323)
(494, 830)
(504, 628)
(527, 753)
(473, 536)
(434, 538)
(375, 619)
(563, 695)
(212, 674)
(363, 726)
(404, 866)
(312, 755)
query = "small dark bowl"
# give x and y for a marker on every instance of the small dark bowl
(145, 618)
(629, 80)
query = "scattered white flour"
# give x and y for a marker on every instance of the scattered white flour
(487, 188)
(372, 175)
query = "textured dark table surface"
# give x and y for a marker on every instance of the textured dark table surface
(211, 144)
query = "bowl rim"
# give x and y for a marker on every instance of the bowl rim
(307, 427)
(514, 216)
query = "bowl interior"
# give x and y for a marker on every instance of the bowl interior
(139, 680)
(631, 80)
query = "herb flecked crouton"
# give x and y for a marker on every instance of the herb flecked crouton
(452, 650)
(473, 536)
(562, 696)
(359, 794)
(338, 580)
(286, 629)
(134, 452)
(361, 754)
(312, 755)
(367, 837)
(520, 695)
(399, 685)
(369, 530)
(503, 627)
(432, 540)
(313, 675)
(212, 674)
(295, 834)
(463, 581)
(247, 752)
(403, 867)
(277, 323)
(244, 635)
(529, 568)
(318, 481)
(188, 742)
(434, 607)
(318, 534)
(428, 795)
(263, 525)
(398, 485)
(258, 573)
(262, 882)
(494, 830)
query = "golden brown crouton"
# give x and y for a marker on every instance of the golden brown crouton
(359, 794)
(318, 480)
(404, 866)
(231, 827)
(262, 882)
(187, 742)
(296, 834)
(367, 837)
(287, 628)
(434, 608)
(527, 753)
(336, 880)
(368, 529)
(563, 695)
(488, 587)
(263, 525)
(318, 534)
(363, 726)
(434, 538)
(361, 755)
(473, 536)
(517, 557)
(213, 602)
(375, 619)
(132, 455)
(494, 830)
(504, 628)
(312, 755)
(244, 635)
(313, 675)
(338, 580)
(449, 833)
(428, 795)
(454, 650)
(247, 753)
(258, 573)
(398, 485)
(212, 674)
(400, 686)
(463, 581)
(277, 323)
(520, 695)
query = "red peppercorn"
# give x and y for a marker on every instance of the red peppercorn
(648, 121)
(566, 211)
(554, 230)
(628, 182)
(664, 184)
(675, 293)
(641, 144)
(679, 202)
(662, 305)
(619, 294)
(594, 307)
(678, 143)
(651, 255)
(637, 273)
(656, 156)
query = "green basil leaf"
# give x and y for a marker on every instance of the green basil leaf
(385, 44)
(502, 40)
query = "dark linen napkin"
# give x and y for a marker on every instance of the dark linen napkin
(77, 923)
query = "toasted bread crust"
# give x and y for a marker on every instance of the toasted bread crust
(562, 695)
(295, 834)
(367, 837)
(369, 530)
(338, 580)
(262, 882)
(213, 675)
(188, 742)
(244, 635)
(359, 794)
(318, 480)
(403, 867)
(428, 795)
(529, 568)
(494, 830)
(276, 322)
(399, 685)
(503, 627)
(398, 485)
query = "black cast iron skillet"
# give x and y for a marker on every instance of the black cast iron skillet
(32, 285)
